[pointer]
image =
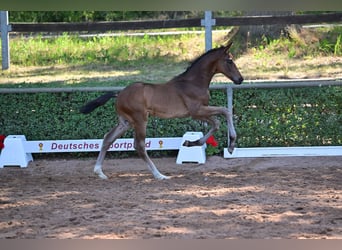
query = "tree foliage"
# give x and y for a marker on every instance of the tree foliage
(92, 16)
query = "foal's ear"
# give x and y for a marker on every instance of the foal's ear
(228, 46)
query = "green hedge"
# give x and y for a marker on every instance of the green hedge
(262, 117)
(289, 117)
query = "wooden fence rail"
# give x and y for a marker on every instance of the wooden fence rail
(163, 24)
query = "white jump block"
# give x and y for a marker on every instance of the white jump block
(191, 154)
(14, 153)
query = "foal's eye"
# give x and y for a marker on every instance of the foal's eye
(229, 61)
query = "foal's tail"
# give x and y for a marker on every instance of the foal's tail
(90, 106)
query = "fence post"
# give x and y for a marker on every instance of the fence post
(208, 22)
(5, 28)
(229, 105)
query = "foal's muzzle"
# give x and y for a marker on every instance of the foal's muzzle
(239, 80)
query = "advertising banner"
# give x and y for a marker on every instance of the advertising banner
(90, 145)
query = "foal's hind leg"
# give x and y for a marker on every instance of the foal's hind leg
(108, 139)
(139, 144)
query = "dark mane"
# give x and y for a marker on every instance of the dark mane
(197, 60)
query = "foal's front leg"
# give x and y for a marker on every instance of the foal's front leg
(206, 113)
(214, 127)
(139, 145)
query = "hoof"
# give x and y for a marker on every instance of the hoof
(191, 143)
(231, 146)
(101, 174)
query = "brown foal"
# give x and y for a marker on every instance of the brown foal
(185, 95)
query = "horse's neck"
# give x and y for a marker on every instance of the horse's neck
(200, 74)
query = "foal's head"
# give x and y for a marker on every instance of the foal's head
(226, 66)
